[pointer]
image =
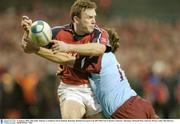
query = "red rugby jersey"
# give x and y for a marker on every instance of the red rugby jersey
(66, 33)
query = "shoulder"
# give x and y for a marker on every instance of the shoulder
(57, 29)
(100, 30)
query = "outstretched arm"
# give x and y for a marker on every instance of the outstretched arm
(59, 57)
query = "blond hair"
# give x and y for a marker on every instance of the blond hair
(79, 6)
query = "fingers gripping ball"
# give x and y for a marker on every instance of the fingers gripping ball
(40, 33)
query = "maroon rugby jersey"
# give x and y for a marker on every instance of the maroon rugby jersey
(66, 33)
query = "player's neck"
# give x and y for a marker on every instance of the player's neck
(77, 31)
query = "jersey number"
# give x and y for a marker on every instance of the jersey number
(121, 72)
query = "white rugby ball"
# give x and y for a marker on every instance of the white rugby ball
(40, 33)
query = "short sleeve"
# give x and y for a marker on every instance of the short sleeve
(101, 36)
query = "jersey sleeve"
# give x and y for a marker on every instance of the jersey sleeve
(101, 36)
(55, 31)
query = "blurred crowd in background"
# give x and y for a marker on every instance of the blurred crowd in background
(149, 53)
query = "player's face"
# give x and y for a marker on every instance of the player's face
(87, 21)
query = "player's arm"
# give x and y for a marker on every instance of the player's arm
(31, 47)
(60, 58)
(89, 49)
(96, 47)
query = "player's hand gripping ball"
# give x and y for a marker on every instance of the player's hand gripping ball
(40, 33)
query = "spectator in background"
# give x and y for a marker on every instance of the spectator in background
(47, 105)
(12, 104)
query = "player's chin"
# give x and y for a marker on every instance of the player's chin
(90, 30)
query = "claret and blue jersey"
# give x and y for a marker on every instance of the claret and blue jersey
(111, 85)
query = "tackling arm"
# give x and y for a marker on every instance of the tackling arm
(31, 47)
(60, 58)
(88, 49)
(97, 46)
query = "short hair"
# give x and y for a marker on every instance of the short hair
(114, 39)
(79, 6)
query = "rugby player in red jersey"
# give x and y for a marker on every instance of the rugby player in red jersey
(76, 97)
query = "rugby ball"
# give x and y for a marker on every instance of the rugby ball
(40, 33)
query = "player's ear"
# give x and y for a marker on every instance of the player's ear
(76, 19)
